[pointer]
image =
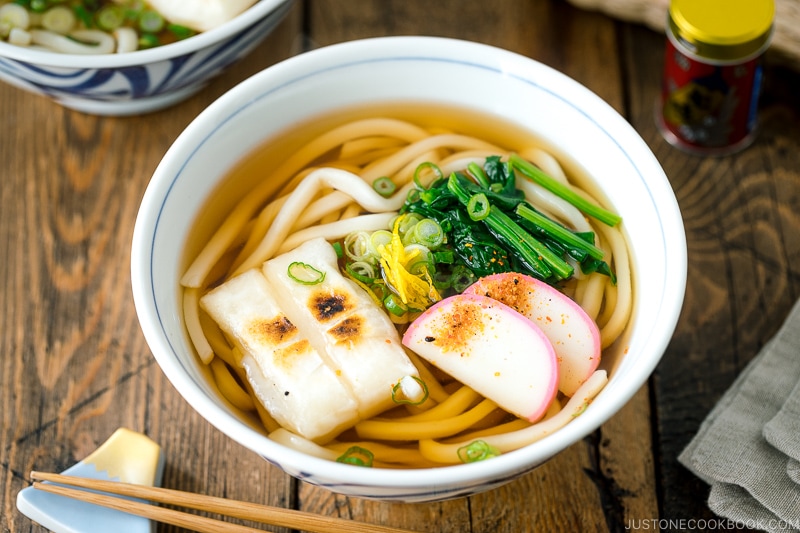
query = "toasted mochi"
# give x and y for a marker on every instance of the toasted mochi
(491, 348)
(200, 15)
(344, 324)
(287, 373)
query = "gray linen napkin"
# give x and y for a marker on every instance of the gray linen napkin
(783, 431)
(748, 447)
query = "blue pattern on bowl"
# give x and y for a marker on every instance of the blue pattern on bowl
(138, 88)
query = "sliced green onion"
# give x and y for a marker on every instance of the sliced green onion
(384, 186)
(59, 19)
(110, 17)
(357, 246)
(356, 455)
(427, 166)
(361, 271)
(38, 6)
(414, 195)
(442, 281)
(478, 207)
(478, 450)
(410, 390)
(180, 32)
(426, 232)
(394, 305)
(533, 173)
(305, 274)
(148, 40)
(379, 238)
(407, 221)
(422, 251)
(151, 21)
(337, 247)
(15, 16)
(461, 278)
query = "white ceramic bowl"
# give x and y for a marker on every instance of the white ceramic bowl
(515, 88)
(141, 81)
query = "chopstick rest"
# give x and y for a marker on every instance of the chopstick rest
(752, 481)
(126, 456)
(117, 488)
(108, 493)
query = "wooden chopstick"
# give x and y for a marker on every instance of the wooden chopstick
(275, 516)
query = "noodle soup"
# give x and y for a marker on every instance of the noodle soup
(268, 206)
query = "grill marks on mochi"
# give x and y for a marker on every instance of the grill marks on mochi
(287, 374)
(335, 323)
(343, 323)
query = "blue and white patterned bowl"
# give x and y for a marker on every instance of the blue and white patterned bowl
(381, 72)
(141, 81)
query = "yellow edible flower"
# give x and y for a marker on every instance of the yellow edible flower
(414, 291)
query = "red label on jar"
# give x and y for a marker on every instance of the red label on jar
(706, 105)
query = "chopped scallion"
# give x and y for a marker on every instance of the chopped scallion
(362, 271)
(410, 390)
(148, 40)
(461, 278)
(394, 305)
(180, 32)
(356, 455)
(423, 169)
(305, 274)
(384, 186)
(357, 246)
(38, 6)
(478, 207)
(151, 21)
(110, 17)
(478, 450)
(59, 19)
(426, 232)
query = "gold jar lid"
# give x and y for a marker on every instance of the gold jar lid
(722, 30)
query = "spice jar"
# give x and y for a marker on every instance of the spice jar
(712, 73)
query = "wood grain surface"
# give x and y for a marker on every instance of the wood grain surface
(74, 365)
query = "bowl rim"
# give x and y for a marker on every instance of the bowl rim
(262, 8)
(448, 476)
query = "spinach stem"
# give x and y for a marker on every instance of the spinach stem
(557, 231)
(537, 256)
(534, 174)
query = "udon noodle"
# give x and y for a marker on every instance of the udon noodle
(324, 189)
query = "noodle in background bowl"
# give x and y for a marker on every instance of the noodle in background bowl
(575, 123)
(145, 80)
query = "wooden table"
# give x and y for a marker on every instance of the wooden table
(74, 365)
